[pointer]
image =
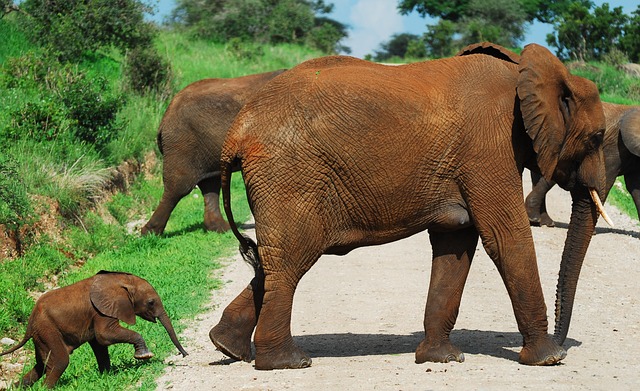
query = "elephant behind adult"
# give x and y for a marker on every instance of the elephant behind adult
(340, 153)
(621, 148)
(622, 157)
(190, 138)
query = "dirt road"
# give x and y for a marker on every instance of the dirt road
(360, 318)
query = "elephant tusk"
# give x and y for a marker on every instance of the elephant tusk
(596, 200)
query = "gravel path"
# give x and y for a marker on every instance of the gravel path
(359, 316)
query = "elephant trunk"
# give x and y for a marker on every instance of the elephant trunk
(584, 216)
(166, 322)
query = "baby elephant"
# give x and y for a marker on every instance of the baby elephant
(90, 311)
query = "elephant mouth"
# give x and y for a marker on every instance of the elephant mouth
(599, 207)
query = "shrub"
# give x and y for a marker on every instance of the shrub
(92, 112)
(147, 71)
(71, 106)
(71, 28)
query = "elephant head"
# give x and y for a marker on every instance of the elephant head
(123, 296)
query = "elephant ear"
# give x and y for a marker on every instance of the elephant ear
(112, 295)
(490, 49)
(630, 130)
(546, 104)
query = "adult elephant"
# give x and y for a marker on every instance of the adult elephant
(190, 138)
(340, 153)
(622, 157)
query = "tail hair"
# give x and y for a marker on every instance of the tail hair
(249, 252)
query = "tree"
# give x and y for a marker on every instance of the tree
(467, 21)
(266, 21)
(70, 28)
(583, 35)
(630, 42)
(397, 46)
(498, 21)
(439, 39)
(451, 10)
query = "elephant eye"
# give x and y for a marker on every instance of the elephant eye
(597, 139)
(151, 302)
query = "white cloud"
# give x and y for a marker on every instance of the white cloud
(372, 22)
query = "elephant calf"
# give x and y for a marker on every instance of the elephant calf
(190, 139)
(90, 311)
(621, 148)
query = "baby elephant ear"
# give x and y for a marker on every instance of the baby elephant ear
(110, 295)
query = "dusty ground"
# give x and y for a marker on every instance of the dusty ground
(360, 319)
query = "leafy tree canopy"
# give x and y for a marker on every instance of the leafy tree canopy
(70, 28)
(582, 33)
(266, 21)
(454, 10)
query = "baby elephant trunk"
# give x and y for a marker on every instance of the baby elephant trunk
(166, 322)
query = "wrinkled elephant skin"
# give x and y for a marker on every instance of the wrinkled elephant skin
(339, 153)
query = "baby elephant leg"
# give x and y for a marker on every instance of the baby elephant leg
(111, 332)
(102, 355)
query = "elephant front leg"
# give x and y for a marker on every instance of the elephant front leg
(232, 335)
(102, 356)
(452, 256)
(110, 332)
(213, 220)
(517, 265)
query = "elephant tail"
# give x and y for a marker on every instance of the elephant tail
(26, 339)
(248, 248)
(159, 140)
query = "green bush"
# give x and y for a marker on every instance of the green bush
(72, 106)
(70, 29)
(147, 71)
(92, 111)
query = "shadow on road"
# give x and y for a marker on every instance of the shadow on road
(504, 345)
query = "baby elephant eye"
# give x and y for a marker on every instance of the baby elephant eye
(151, 302)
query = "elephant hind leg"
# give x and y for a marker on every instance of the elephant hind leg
(283, 267)
(213, 221)
(232, 335)
(33, 375)
(452, 256)
(160, 216)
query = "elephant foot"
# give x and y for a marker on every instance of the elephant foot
(546, 220)
(218, 225)
(143, 355)
(291, 358)
(232, 341)
(442, 352)
(150, 229)
(544, 351)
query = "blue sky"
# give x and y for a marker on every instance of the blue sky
(374, 21)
